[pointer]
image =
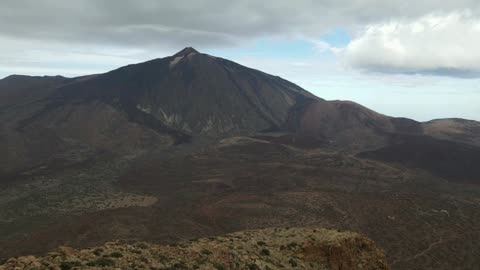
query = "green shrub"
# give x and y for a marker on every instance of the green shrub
(261, 243)
(265, 252)
(218, 266)
(292, 262)
(116, 255)
(98, 251)
(162, 257)
(142, 245)
(205, 251)
(69, 265)
(292, 245)
(101, 262)
(180, 265)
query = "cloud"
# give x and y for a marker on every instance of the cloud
(434, 44)
(122, 30)
(157, 23)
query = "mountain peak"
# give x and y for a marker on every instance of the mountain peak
(186, 51)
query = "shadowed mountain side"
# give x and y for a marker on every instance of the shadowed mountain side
(17, 89)
(451, 160)
(345, 125)
(194, 93)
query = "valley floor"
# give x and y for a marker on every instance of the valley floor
(421, 221)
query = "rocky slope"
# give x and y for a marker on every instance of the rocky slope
(274, 248)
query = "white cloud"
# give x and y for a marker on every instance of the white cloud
(435, 44)
(100, 35)
(19, 56)
(322, 46)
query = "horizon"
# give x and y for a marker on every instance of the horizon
(420, 63)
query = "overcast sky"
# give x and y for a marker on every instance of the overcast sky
(417, 59)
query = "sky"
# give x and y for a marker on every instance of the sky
(418, 59)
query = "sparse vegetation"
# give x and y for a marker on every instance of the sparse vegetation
(101, 262)
(218, 266)
(69, 265)
(116, 255)
(141, 245)
(292, 245)
(206, 251)
(265, 252)
(186, 255)
(180, 265)
(292, 262)
(98, 251)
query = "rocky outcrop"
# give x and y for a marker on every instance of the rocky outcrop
(273, 248)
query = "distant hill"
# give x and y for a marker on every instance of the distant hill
(455, 129)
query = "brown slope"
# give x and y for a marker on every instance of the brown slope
(245, 183)
(346, 125)
(451, 160)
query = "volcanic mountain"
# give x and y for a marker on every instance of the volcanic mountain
(173, 100)
(190, 96)
(193, 145)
